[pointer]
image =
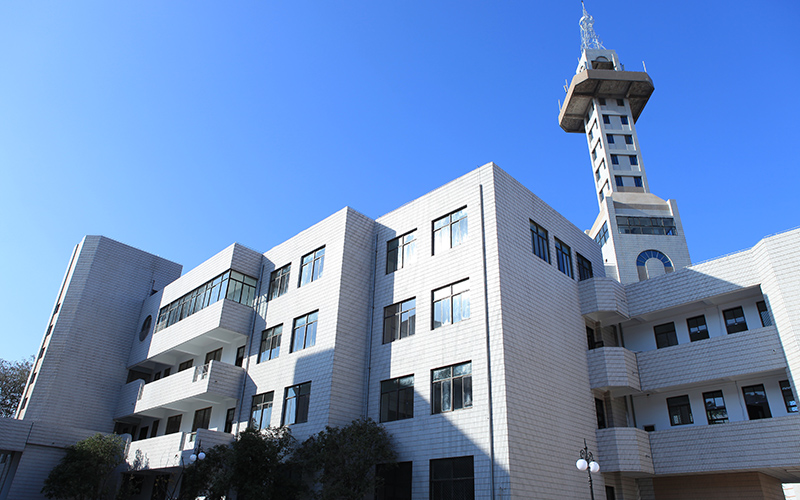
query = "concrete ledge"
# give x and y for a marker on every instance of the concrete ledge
(613, 369)
(603, 299)
(626, 450)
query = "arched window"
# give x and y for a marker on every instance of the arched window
(148, 321)
(651, 263)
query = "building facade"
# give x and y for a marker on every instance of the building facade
(487, 333)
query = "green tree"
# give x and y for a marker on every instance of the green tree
(13, 376)
(85, 471)
(344, 459)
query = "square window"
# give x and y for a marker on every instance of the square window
(788, 396)
(451, 304)
(715, 407)
(614, 160)
(618, 180)
(610, 138)
(395, 481)
(452, 478)
(311, 266)
(584, 268)
(541, 245)
(623, 119)
(261, 410)
(201, 419)
(665, 335)
(399, 320)
(766, 320)
(304, 332)
(680, 411)
(563, 258)
(450, 231)
(637, 181)
(697, 328)
(620, 102)
(279, 282)
(400, 252)
(295, 404)
(173, 424)
(397, 399)
(185, 365)
(214, 356)
(633, 159)
(628, 139)
(755, 399)
(270, 343)
(451, 387)
(734, 320)
(602, 101)
(606, 119)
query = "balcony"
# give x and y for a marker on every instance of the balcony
(215, 382)
(603, 299)
(743, 353)
(626, 450)
(167, 451)
(614, 369)
(770, 445)
(224, 321)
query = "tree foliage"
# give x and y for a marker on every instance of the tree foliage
(85, 471)
(344, 458)
(13, 376)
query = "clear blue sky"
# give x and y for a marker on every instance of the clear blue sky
(181, 127)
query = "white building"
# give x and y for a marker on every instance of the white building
(487, 333)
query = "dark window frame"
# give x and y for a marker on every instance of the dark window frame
(716, 412)
(452, 478)
(763, 313)
(563, 257)
(756, 409)
(261, 406)
(446, 381)
(454, 230)
(698, 329)
(448, 304)
(401, 251)
(735, 320)
(296, 402)
(308, 329)
(665, 334)
(541, 242)
(584, 268)
(311, 266)
(397, 399)
(399, 320)
(680, 410)
(788, 396)
(279, 281)
(270, 343)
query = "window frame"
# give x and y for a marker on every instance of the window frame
(202, 419)
(697, 330)
(753, 407)
(540, 240)
(394, 324)
(456, 383)
(735, 324)
(564, 257)
(446, 225)
(311, 266)
(307, 323)
(789, 399)
(401, 251)
(397, 393)
(271, 336)
(458, 289)
(444, 486)
(279, 281)
(680, 409)
(263, 404)
(720, 409)
(763, 313)
(665, 337)
(584, 268)
(299, 407)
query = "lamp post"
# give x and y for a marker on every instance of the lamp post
(587, 462)
(197, 454)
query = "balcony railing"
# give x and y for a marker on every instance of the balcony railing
(214, 382)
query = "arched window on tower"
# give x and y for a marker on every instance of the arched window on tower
(652, 263)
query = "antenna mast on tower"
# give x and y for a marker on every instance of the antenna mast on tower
(589, 39)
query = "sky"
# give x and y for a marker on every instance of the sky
(181, 127)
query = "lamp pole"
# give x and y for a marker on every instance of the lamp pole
(586, 462)
(197, 454)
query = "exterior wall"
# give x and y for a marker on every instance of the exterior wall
(744, 486)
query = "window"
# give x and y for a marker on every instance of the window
(610, 493)
(606, 119)
(563, 258)
(614, 160)
(766, 320)
(452, 478)
(602, 102)
(399, 320)
(215, 355)
(634, 160)
(261, 410)
(279, 282)
(637, 181)
(311, 266)
(602, 236)
(185, 365)
(647, 225)
(620, 102)
(451, 304)
(734, 320)
(592, 341)
(610, 138)
(697, 328)
(541, 246)
(618, 180)
(270, 343)
(167, 371)
(154, 428)
(600, 410)
(450, 231)
(665, 335)
(680, 412)
(584, 268)
(594, 154)
(755, 399)
(240, 356)
(173, 424)
(295, 404)
(397, 399)
(401, 252)
(715, 407)
(201, 419)
(304, 333)
(788, 396)
(623, 119)
(452, 387)
(229, 416)
(628, 139)
(148, 321)
(229, 285)
(395, 481)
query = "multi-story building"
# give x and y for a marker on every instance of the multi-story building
(489, 335)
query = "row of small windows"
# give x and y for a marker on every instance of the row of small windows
(602, 236)
(310, 270)
(451, 389)
(755, 399)
(627, 138)
(622, 118)
(632, 159)
(230, 285)
(623, 181)
(602, 101)
(304, 335)
(296, 401)
(448, 232)
(647, 225)
(450, 479)
(735, 322)
(541, 248)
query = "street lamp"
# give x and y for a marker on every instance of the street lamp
(197, 454)
(587, 462)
